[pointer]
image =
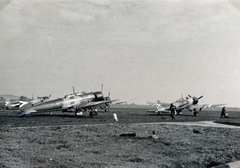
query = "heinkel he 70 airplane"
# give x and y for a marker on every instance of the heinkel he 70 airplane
(76, 102)
(190, 103)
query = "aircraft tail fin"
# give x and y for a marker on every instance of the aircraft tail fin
(159, 106)
(7, 103)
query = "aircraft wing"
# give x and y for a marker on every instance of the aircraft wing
(163, 104)
(201, 106)
(212, 105)
(119, 103)
(95, 104)
(151, 103)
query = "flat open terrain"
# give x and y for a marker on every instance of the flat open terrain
(56, 139)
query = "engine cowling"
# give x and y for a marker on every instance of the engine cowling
(98, 96)
(195, 100)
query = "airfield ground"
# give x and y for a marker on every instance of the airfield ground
(56, 139)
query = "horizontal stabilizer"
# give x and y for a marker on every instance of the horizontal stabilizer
(28, 112)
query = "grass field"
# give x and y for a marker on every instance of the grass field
(100, 144)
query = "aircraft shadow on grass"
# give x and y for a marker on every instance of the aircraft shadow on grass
(51, 115)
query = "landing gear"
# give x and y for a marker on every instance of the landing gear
(195, 113)
(178, 112)
(93, 113)
(106, 110)
(78, 112)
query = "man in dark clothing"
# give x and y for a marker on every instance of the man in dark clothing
(223, 113)
(172, 109)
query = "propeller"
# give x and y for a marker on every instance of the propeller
(73, 90)
(195, 99)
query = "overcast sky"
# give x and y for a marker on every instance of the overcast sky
(141, 50)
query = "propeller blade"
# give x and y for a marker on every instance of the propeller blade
(190, 96)
(108, 94)
(102, 88)
(200, 97)
(73, 90)
(49, 96)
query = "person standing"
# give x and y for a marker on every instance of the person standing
(172, 109)
(223, 113)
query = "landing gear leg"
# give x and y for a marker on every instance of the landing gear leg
(195, 113)
(76, 112)
(91, 114)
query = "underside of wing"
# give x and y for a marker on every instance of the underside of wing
(28, 111)
(212, 105)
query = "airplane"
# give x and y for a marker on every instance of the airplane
(76, 102)
(190, 103)
(14, 104)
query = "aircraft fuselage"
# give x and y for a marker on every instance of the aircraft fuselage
(70, 101)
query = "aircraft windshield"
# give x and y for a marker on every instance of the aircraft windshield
(81, 93)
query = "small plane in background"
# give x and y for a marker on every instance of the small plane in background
(76, 102)
(190, 103)
(14, 104)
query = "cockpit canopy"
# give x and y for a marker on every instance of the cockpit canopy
(69, 96)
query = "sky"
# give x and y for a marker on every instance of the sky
(140, 50)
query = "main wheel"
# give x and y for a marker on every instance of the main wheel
(195, 113)
(91, 114)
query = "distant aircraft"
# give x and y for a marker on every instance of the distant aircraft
(14, 104)
(76, 102)
(190, 103)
